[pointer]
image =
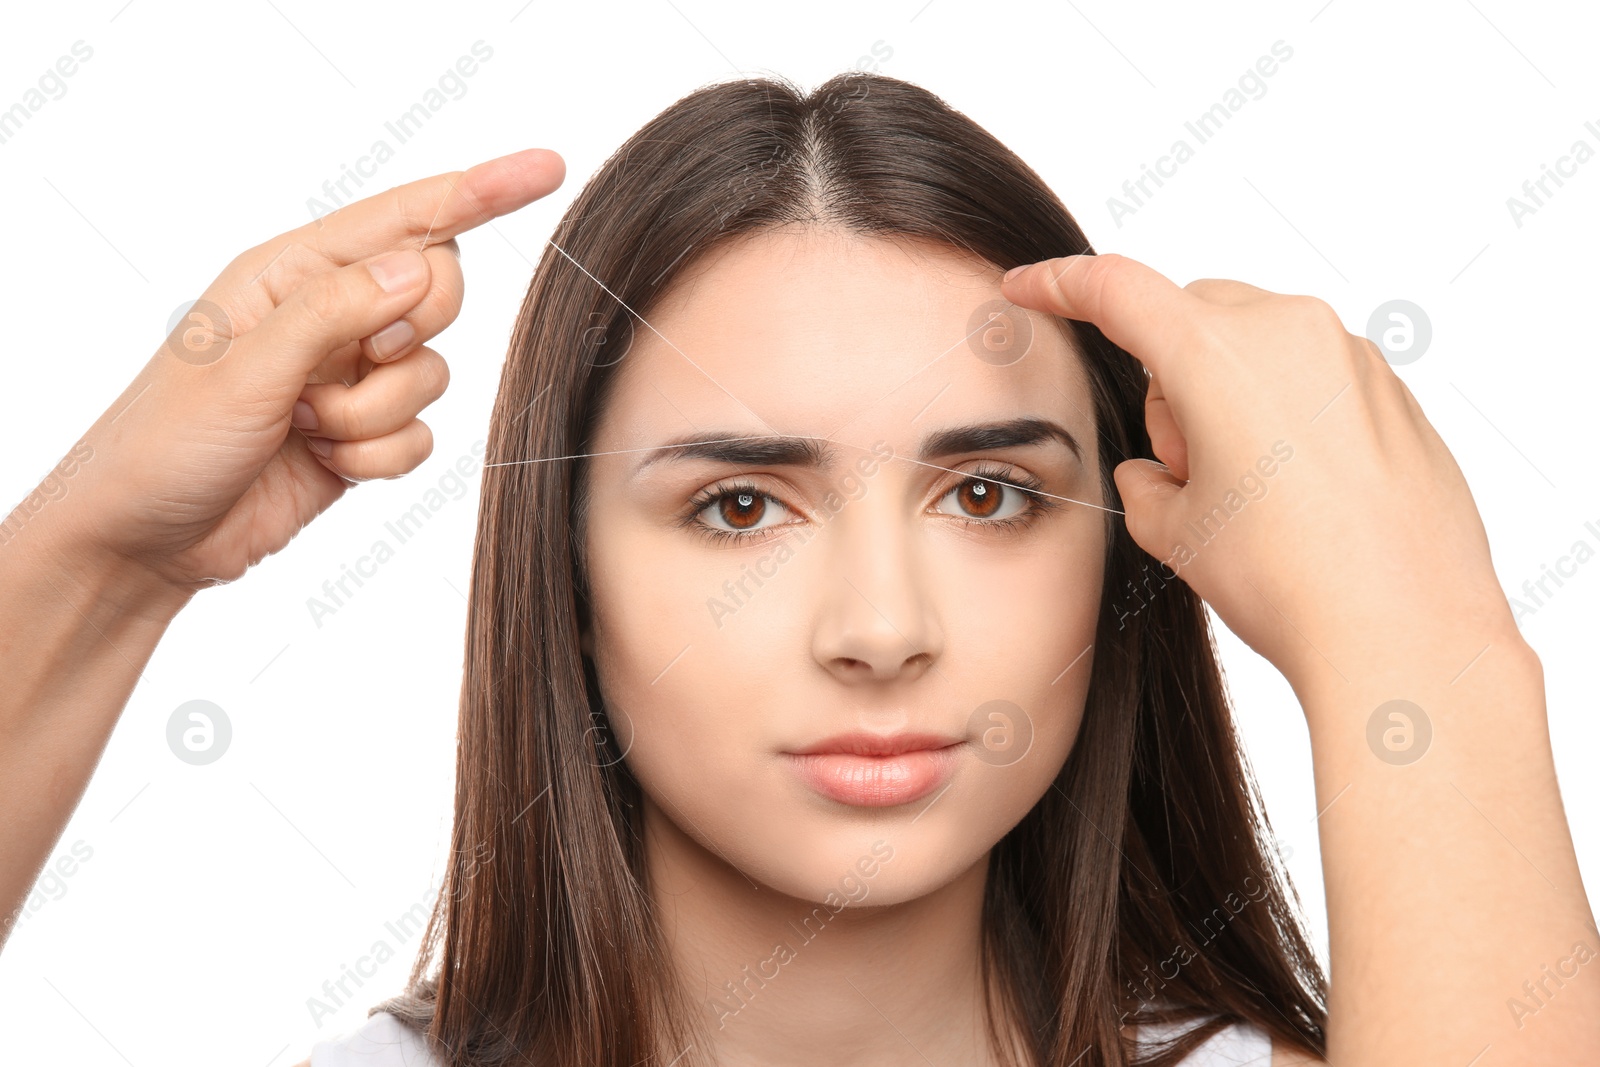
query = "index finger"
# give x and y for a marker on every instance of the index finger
(433, 210)
(1139, 309)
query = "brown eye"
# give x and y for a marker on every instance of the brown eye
(982, 498)
(979, 498)
(742, 509)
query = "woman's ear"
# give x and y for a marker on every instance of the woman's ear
(586, 640)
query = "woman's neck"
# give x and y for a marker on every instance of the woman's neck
(783, 981)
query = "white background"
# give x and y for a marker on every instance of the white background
(219, 898)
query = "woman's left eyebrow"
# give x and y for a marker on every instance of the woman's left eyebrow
(783, 450)
(984, 437)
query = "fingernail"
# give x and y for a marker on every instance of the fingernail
(392, 338)
(304, 416)
(320, 445)
(398, 270)
(1013, 272)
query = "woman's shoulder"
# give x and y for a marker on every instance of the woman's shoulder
(381, 1041)
(384, 1041)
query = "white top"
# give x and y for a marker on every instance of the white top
(384, 1041)
(1235, 1045)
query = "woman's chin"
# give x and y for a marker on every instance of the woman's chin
(866, 867)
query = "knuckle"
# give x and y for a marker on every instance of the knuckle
(1106, 268)
(416, 207)
(399, 205)
(1107, 271)
(240, 264)
(348, 416)
(1370, 355)
(323, 300)
(1226, 291)
(435, 372)
(279, 269)
(424, 437)
(1321, 330)
(448, 294)
(1316, 312)
(299, 257)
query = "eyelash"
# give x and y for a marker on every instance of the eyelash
(1029, 486)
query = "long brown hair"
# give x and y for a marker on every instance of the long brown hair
(1144, 879)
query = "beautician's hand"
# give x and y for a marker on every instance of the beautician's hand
(1363, 574)
(194, 473)
(197, 472)
(1351, 538)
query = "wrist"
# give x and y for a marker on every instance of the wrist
(1472, 683)
(1434, 654)
(55, 558)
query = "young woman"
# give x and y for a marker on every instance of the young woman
(838, 684)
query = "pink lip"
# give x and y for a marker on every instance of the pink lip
(866, 770)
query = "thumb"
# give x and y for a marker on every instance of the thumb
(1149, 494)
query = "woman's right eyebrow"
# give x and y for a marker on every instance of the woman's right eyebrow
(724, 446)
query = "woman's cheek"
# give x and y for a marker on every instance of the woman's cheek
(1028, 647)
(676, 682)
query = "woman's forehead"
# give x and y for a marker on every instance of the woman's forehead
(809, 332)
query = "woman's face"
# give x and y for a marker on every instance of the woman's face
(757, 597)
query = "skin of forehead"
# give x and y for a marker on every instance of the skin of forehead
(824, 297)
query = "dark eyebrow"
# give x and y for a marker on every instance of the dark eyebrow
(984, 437)
(765, 450)
(743, 450)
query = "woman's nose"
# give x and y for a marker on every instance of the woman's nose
(877, 615)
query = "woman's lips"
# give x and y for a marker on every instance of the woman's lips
(877, 781)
